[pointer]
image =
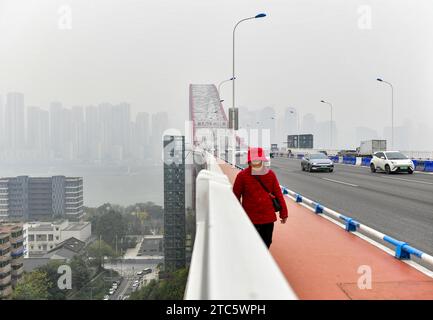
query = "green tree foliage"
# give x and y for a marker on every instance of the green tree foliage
(100, 249)
(110, 225)
(80, 272)
(50, 269)
(170, 288)
(137, 219)
(34, 286)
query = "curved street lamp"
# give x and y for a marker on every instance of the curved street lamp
(392, 110)
(220, 84)
(233, 124)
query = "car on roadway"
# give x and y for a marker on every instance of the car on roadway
(391, 161)
(111, 292)
(139, 273)
(317, 162)
(147, 270)
(106, 297)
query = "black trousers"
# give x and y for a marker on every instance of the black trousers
(265, 231)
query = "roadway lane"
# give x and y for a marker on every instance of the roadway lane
(399, 205)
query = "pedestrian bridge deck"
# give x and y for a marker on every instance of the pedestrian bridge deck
(320, 260)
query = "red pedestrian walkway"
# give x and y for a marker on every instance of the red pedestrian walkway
(320, 260)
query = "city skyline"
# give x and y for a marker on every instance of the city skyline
(110, 131)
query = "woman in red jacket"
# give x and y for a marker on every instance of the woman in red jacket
(256, 201)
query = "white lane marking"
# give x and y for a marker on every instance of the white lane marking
(336, 181)
(414, 181)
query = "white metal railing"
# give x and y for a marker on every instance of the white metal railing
(229, 259)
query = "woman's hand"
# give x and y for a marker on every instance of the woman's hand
(283, 221)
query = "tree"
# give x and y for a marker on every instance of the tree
(34, 286)
(110, 225)
(100, 249)
(171, 288)
(80, 273)
(50, 269)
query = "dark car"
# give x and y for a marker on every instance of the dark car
(317, 162)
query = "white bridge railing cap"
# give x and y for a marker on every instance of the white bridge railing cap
(229, 260)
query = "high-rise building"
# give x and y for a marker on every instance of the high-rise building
(115, 130)
(14, 120)
(267, 122)
(41, 197)
(38, 134)
(174, 202)
(309, 123)
(11, 257)
(141, 135)
(57, 128)
(78, 138)
(92, 134)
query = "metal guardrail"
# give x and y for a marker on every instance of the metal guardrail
(403, 250)
(229, 259)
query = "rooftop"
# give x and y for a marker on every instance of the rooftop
(76, 226)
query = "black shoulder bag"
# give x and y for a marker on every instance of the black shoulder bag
(275, 201)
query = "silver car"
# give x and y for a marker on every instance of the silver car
(317, 162)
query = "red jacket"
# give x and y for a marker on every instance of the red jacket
(256, 201)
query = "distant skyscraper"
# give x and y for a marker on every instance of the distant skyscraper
(142, 128)
(57, 128)
(14, 120)
(309, 124)
(268, 122)
(290, 121)
(38, 130)
(115, 130)
(78, 132)
(142, 135)
(92, 134)
(174, 202)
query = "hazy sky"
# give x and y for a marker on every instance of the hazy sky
(148, 52)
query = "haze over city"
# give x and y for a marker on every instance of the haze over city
(147, 53)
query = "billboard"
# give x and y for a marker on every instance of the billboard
(301, 141)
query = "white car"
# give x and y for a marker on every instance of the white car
(106, 297)
(391, 161)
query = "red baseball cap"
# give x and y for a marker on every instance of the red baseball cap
(256, 154)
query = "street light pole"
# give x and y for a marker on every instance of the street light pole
(392, 110)
(233, 124)
(330, 104)
(297, 122)
(221, 83)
